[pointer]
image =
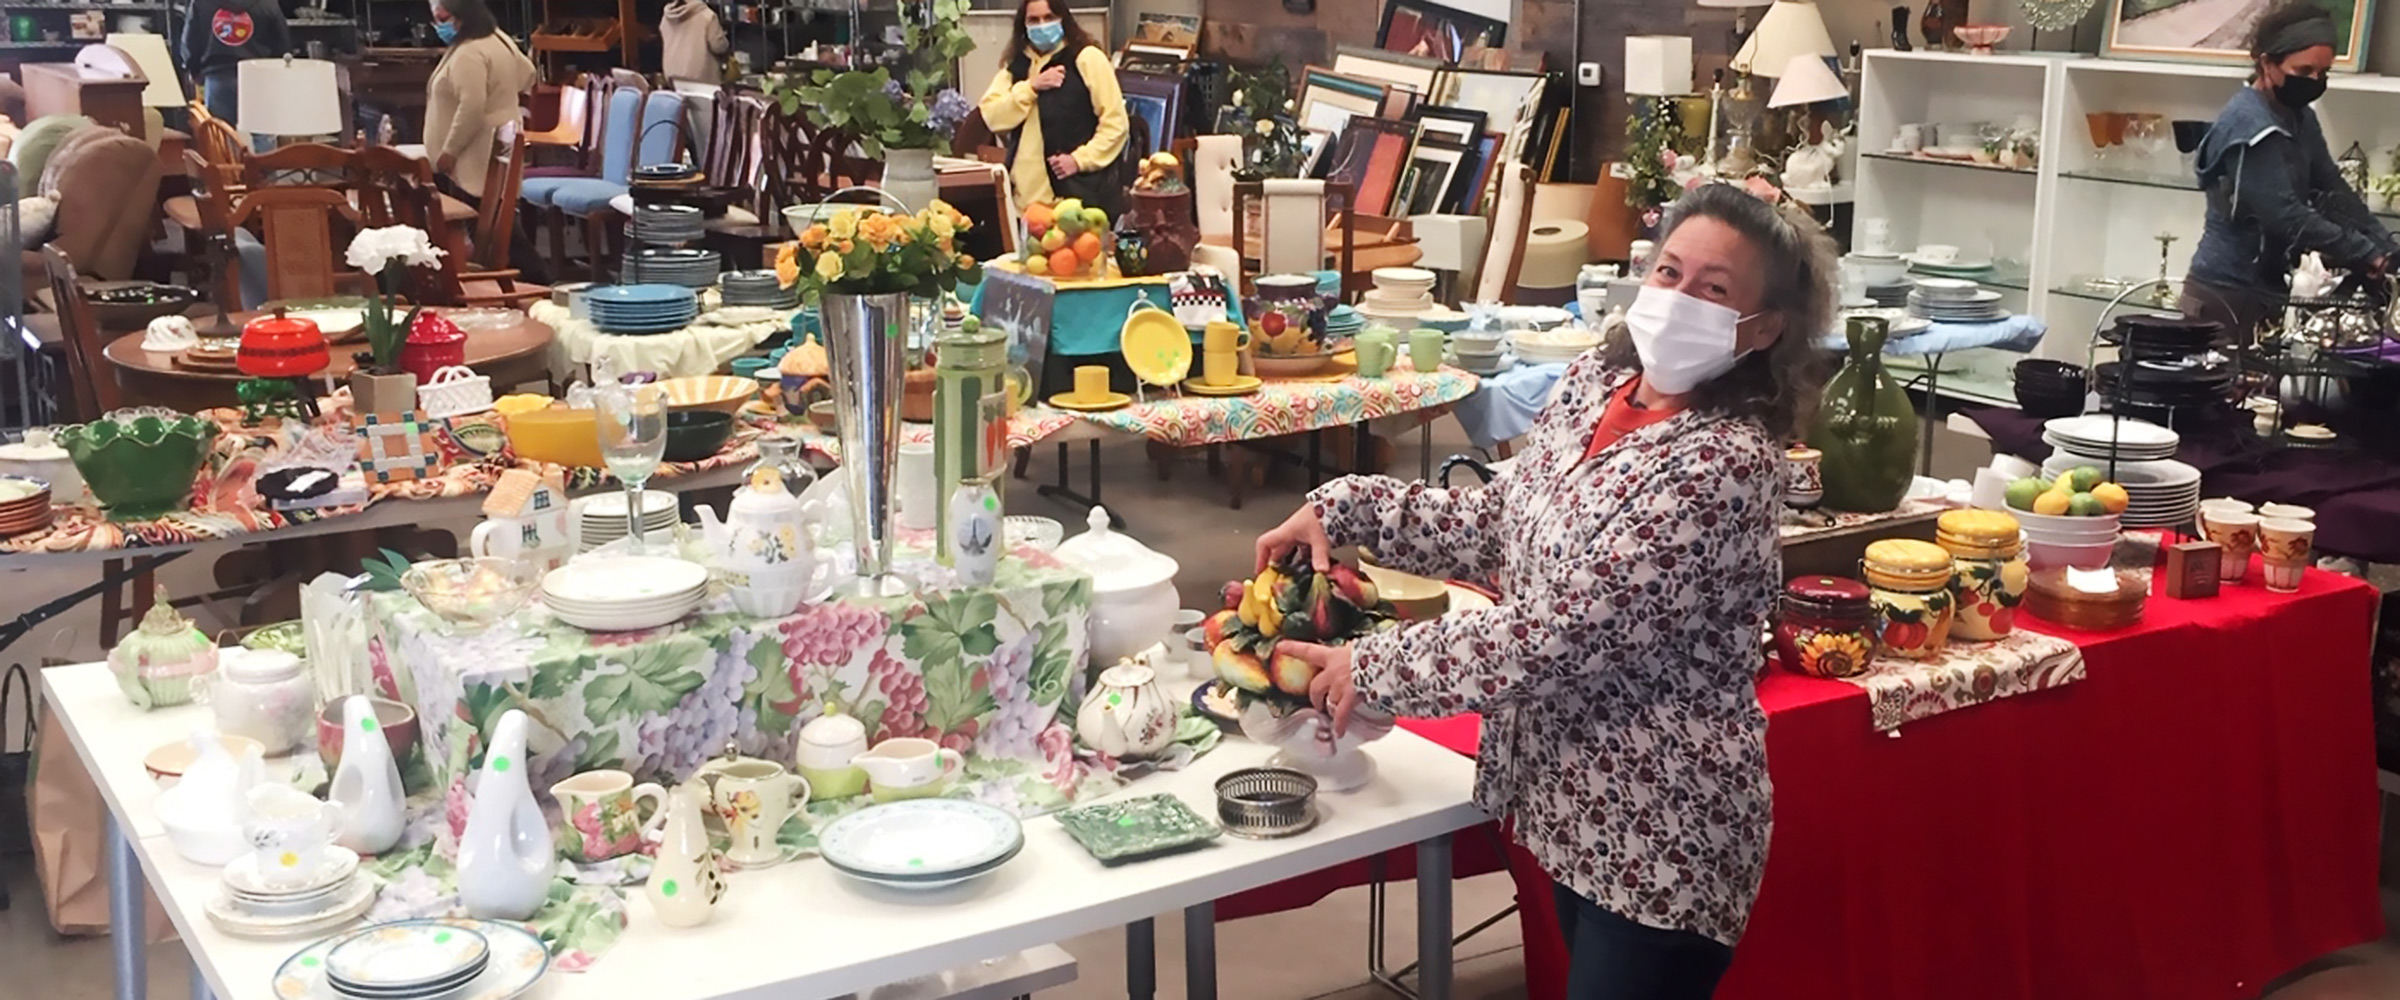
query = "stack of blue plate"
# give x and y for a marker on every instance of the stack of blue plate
(691, 268)
(639, 309)
(1342, 324)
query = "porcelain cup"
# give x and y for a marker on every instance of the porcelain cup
(1936, 253)
(1220, 335)
(603, 816)
(1376, 352)
(1805, 476)
(1874, 236)
(2236, 535)
(1219, 368)
(1091, 383)
(2287, 512)
(1425, 348)
(2285, 544)
(290, 830)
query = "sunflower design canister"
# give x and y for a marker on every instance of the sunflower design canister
(1987, 552)
(1826, 626)
(1909, 581)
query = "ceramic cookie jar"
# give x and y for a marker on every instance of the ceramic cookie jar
(1909, 581)
(1987, 552)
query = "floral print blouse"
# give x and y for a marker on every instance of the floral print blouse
(1621, 727)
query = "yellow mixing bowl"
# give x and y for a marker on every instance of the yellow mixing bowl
(557, 435)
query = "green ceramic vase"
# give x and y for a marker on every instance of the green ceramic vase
(1866, 428)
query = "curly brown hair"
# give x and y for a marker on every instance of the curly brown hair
(1778, 387)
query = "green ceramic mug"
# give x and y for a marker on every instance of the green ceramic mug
(1425, 348)
(1377, 351)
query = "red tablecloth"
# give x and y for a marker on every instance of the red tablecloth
(2195, 817)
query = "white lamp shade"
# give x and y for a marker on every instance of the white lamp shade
(1791, 28)
(289, 97)
(1735, 3)
(1658, 65)
(1806, 80)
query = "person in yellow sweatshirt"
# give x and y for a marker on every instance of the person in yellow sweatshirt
(1056, 106)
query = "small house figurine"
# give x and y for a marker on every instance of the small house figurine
(526, 517)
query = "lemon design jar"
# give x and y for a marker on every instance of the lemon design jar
(1909, 581)
(1989, 571)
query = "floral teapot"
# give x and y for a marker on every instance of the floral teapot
(762, 547)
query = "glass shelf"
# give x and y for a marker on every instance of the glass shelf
(1931, 161)
(2134, 178)
(2012, 277)
(2135, 301)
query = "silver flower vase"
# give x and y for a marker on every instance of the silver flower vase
(866, 339)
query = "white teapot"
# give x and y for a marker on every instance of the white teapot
(762, 548)
(1126, 715)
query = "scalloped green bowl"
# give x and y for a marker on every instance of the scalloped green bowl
(140, 465)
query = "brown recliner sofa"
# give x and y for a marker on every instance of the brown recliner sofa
(107, 187)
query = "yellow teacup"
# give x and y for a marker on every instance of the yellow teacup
(1221, 335)
(1091, 383)
(1219, 368)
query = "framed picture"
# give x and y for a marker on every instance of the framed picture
(1459, 125)
(1414, 73)
(1328, 100)
(1312, 151)
(1019, 305)
(1435, 166)
(1432, 31)
(1157, 101)
(1175, 31)
(1231, 120)
(1369, 156)
(2197, 31)
(1479, 178)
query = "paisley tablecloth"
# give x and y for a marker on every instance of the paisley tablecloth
(1966, 674)
(1285, 406)
(226, 505)
(702, 348)
(981, 670)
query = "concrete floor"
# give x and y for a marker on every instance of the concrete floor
(1188, 519)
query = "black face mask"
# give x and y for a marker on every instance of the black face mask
(2298, 92)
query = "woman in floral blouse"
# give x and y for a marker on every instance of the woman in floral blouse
(1635, 537)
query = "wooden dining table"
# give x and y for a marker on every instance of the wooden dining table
(509, 355)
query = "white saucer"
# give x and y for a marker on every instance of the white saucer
(232, 918)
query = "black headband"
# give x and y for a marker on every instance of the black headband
(2296, 36)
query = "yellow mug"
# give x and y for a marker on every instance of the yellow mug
(1219, 368)
(1091, 383)
(1221, 335)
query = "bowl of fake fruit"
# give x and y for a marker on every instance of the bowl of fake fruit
(1291, 602)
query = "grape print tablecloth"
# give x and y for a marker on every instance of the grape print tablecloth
(981, 670)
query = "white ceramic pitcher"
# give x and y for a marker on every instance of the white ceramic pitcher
(367, 784)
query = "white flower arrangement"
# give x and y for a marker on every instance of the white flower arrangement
(374, 249)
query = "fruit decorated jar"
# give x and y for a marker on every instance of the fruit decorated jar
(1909, 581)
(1826, 626)
(1988, 580)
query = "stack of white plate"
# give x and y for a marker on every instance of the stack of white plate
(2162, 493)
(1954, 300)
(1558, 346)
(624, 593)
(603, 517)
(1399, 295)
(459, 958)
(921, 843)
(2099, 436)
(331, 896)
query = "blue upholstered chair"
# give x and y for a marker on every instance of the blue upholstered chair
(641, 129)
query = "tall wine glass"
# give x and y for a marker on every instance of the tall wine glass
(633, 437)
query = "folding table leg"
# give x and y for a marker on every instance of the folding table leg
(200, 990)
(126, 935)
(1200, 951)
(1141, 960)
(1433, 918)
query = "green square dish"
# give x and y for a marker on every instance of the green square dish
(1137, 828)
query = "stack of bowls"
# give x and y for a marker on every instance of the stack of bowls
(624, 593)
(2048, 389)
(1557, 346)
(602, 516)
(641, 309)
(757, 288)
(328, 896)
(1878, 270)
(1399, 295)
(24, 505)
(1482, 352)
(1342, 324)
(2081, 542)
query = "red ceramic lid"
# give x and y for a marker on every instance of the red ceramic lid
(434, 328)
(1826, 589)
(280, 346)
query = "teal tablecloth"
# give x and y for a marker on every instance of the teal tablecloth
(1086, 320)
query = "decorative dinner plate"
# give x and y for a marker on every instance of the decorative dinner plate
(337, 864)
(624, 579)
(2096, 429)
(1138, 827)
(233, 918)
(517, 961)
(1156, 346)
(405, 956)
(920, 838)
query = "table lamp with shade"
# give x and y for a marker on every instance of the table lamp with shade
(1790, 28)
(289, 97)
(1807, 81)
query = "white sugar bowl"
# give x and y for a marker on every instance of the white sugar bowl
(263, 694)
(827, 755)
(1133, 589)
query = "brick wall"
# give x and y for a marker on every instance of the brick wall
(1249, 32)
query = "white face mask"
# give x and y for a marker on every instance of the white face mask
(1683, 341)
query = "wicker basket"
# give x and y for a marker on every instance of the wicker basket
(455, 391)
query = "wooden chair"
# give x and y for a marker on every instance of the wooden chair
(630, 137)
(1296, 217)
(1512, 217)
(218, 149)
(579, 102)
(485, 277)
(208, 232)
(295, 221)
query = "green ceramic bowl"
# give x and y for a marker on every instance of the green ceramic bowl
(693, 435)
(140, 463)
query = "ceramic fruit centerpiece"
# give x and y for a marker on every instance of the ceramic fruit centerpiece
(762, 547)
(1291, 601)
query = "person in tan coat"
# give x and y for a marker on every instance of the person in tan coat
(692, 42)
(472, 93)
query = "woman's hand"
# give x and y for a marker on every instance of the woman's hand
(1299, 530)
(1050, 79)
(444, 164)
(1332, 691)
(1063, 165)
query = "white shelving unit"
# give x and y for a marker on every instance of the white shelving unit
(2079, 214)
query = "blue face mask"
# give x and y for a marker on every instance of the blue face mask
(1046, 36)
(447, 31)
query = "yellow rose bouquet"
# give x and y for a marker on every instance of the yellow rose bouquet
(869, 250)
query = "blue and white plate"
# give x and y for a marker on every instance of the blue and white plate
(921, 839)
(517, 961)
(637, 294)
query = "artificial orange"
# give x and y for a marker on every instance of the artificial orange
(1087, 246)
(1063, 263)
